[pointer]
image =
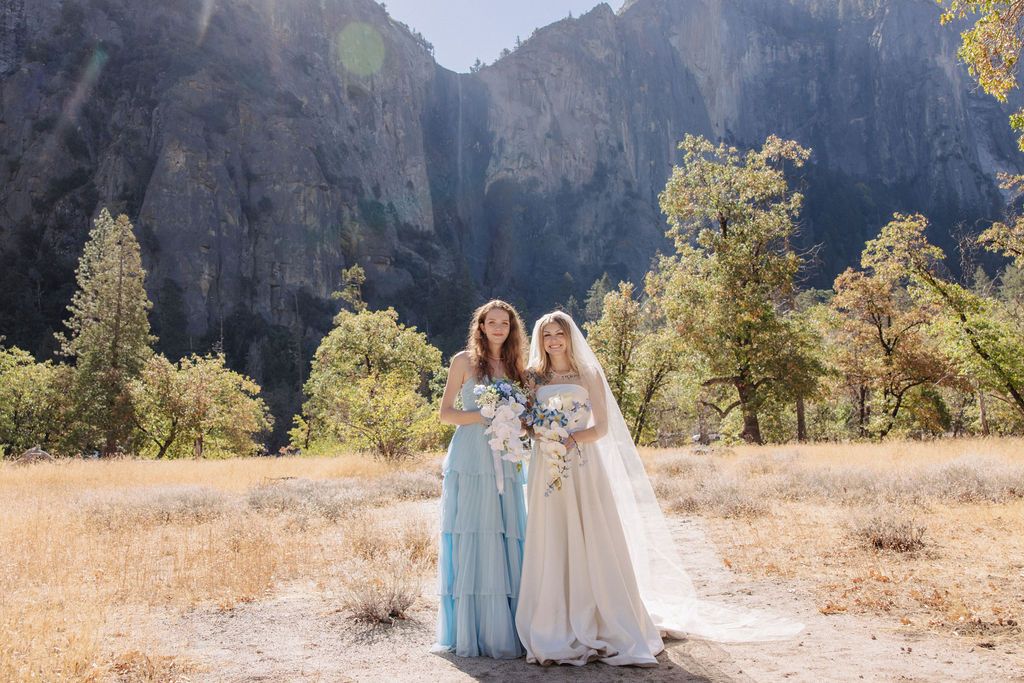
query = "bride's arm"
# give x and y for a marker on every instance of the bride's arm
(599, 412)
(458, 373)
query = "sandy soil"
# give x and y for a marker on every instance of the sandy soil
(300, 635)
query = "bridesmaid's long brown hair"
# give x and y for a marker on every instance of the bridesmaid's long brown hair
(513, 351)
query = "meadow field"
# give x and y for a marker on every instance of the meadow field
(100, 558)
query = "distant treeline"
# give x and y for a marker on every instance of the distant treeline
(718, 343)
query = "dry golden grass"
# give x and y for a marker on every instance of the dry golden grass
(813, 513)
(90, 547)
(236, 474)
(91, 550)
(883, 456)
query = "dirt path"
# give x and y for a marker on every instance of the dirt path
(299, 635)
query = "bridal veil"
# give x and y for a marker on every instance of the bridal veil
(665, 587)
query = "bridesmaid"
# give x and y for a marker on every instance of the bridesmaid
(482, 531)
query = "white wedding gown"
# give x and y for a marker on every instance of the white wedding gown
(602, 578)
(579, 599)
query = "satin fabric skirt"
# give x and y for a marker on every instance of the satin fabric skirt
(579, 600)
(481, 551)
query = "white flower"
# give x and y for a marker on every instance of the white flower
(505, 413)
(555, 449)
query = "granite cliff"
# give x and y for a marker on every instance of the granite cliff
(261, 147)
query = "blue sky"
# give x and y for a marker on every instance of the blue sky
(463, 30)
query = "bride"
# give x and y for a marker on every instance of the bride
(601, 577)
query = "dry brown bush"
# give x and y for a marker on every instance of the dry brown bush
(389, 557)
(382, 591)
(892, 530)
(717, 494)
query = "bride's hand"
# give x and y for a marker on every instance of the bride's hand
(570, 443)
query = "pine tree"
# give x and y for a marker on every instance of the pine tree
(108, 333)
(594, 303)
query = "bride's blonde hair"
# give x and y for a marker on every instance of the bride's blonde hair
(562, 320)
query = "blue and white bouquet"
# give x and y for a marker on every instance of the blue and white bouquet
(550, 420)
(503, 403)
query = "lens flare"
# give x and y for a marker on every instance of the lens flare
(89, 76)
(361, 49)
(204, 20)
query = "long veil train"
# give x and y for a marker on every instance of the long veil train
(665, 587)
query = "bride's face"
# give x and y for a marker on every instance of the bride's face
(555, 341)
(496, 326)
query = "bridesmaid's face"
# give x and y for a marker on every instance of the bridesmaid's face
(555, 342)
(496, 326)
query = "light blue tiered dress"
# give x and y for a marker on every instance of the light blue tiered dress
(481, 555)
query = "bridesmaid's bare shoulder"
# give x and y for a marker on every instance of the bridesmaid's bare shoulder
(461, 367)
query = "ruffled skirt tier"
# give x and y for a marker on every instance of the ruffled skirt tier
(481, 552)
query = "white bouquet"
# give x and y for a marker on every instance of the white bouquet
(503, 403)
(550, 420)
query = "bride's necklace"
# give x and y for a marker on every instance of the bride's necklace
(570, 374)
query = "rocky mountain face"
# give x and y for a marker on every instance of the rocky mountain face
(261, 147)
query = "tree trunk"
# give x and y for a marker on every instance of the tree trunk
(801, 420)
(167, 443)
(703, 437)
(862, 409)
(982, 408)
(751, 426)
